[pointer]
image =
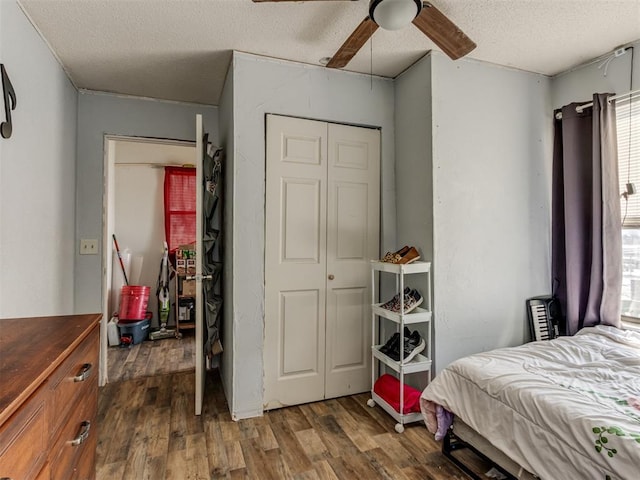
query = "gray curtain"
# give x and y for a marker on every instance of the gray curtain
(586, 224)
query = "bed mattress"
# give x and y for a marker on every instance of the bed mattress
(567, 408)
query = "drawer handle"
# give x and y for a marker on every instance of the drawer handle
(84, 434)
(84, 373)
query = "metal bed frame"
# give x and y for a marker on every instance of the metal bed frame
(462, 436)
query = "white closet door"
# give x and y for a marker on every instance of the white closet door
(353, 229)
(322, 229)
(295, 261)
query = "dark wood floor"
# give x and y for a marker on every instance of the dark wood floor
(151, 358)
(147, 430)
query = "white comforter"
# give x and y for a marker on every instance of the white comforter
(563, 409)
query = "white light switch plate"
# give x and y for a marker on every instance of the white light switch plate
(88, 246)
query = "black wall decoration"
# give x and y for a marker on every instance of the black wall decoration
(9, 103)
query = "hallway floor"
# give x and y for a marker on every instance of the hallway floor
(151, 358)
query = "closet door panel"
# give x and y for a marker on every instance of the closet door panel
(351, 222)
(301, 223)
(298, 320)
(295, 261)
(353, 228)
(349, 342)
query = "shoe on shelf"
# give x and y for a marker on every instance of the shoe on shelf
(389, 257)
(412, 299)
(415, 300)
(411, 255)
(413, 345)
(393, 344)
(395, 300)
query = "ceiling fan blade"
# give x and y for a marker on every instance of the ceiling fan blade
(443, 32)
(356, 40)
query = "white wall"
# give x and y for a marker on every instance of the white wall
(139, 210)
(579, 84)
(100, 114)
(414, 158)
(491, 203)
(414, 178)
(262, 86)
(226, 119)
(37, 176)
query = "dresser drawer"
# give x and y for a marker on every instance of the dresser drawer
(24, 439)
(71, 379)
(77, 438)
(86, 468)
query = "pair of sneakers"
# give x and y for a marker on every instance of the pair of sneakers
(413, 345)
(412, 299)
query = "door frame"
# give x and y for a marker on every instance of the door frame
(108, 221)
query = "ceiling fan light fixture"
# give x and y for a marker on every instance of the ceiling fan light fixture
(394, 14)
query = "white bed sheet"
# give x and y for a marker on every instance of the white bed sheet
(562, 409)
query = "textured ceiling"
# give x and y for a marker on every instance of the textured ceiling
(180, 49)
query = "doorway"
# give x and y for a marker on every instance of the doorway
(322, 230)
(133, 204)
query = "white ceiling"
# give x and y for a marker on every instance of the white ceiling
(180, 49)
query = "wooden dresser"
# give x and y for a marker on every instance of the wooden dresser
(49, 397)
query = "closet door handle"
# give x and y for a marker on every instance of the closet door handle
(331, 277)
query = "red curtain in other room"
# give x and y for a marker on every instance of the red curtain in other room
(179, 206)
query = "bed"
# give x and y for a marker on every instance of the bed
(567, 408)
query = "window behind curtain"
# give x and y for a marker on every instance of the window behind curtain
(628, 127)
(179, 206)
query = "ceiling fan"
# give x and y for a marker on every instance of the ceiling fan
(395, 14)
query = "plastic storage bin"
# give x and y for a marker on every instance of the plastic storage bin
(132, 333)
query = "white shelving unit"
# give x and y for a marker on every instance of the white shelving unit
(421, 315)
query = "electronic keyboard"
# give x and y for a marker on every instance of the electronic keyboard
(544, 317)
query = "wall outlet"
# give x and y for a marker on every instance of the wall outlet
(88, 246)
